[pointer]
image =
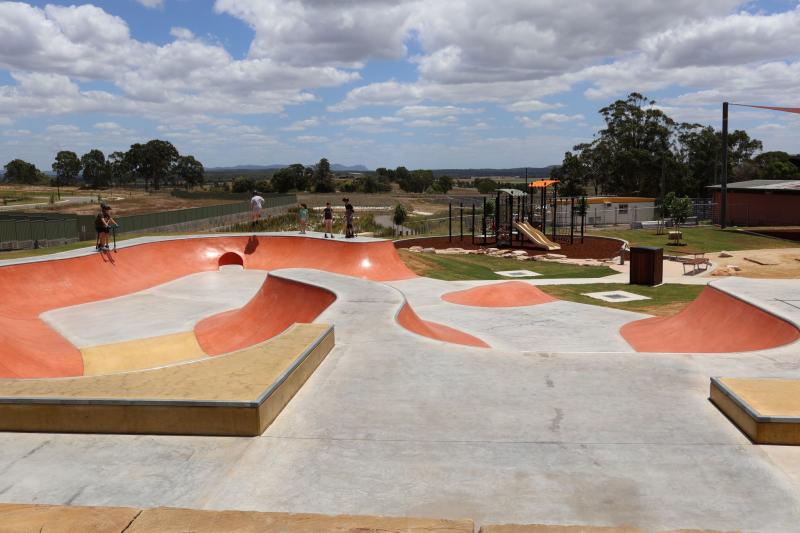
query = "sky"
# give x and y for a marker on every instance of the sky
(419, 83)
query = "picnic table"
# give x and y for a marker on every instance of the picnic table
(697, 260)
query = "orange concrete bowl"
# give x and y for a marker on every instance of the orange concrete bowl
(506, 294)
(714, 323)
(30, 348)
(408, 319)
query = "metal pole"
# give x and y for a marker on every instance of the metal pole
(555, 209)
(723, 191)
(497, 219)
(544, 209)
(572, 222)
(483, 226)
(450, 222)
(461, 219)
(473, 223)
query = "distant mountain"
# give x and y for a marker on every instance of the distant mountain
(346, 168)
(334, 167)
(533, 172)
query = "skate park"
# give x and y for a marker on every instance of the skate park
(279, 373)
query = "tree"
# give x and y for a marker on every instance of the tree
(67, 166)
(776, 166)
(243, 184)
(322, 178)
(152, 161)
(485, 185)
(120, 171)
(95, 172)
(291, 177)
(399, 215)
(19, 171)
(443, 184)
(190, 171)
(416, 181)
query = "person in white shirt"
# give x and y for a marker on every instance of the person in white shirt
(256, 205)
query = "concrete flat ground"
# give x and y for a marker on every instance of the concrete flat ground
(397, 424)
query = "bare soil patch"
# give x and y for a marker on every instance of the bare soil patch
(591, 248)
(776, 263)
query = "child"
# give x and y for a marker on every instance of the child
(302, 214)
(327, 217)
(349, 212)
(102, 223)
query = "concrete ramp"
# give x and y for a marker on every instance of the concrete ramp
(506, 294)
(277, 305)
(714, 323)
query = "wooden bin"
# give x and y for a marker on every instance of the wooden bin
(647, 265)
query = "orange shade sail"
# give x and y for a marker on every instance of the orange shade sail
(538, 184)
(784, 109)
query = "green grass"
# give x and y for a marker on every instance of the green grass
(697, 239)
(464, 267)
(665, 299)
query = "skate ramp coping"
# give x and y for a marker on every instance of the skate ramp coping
(767, 410)
(236, 394)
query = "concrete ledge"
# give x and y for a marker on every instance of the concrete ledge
(541, 528)
(766, 410)
(237, 394)
(63, 519)
(54, 518)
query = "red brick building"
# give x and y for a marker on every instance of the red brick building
(760, 203)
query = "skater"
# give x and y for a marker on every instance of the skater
(256, 204)
(349, 212)
(327, 218)
(302, 215)
(102, 225)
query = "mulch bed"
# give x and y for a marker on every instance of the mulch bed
(592, 247)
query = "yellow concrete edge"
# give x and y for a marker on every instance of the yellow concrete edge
(734, 412)
(141, 354)
(287, 364)
(774, 397)
(62, 519)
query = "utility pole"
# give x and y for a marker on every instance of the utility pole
(723, 190)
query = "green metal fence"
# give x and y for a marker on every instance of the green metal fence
(22, 229)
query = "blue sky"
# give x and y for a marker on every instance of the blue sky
(452, 83)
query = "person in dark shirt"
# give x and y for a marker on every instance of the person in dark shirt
(349, 213)
(327, 218)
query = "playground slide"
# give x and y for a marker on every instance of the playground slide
(536, 237)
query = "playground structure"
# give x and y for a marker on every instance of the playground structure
(536, 216)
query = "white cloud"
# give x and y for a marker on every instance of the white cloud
(550, 120)
(181, 33)
(370, 124)
(435, 111)
(302, 125)
(529, 106)
(152, 4)
(310, 139)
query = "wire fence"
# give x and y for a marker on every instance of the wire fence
(33, 230)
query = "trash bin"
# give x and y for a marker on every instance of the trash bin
(647, 265)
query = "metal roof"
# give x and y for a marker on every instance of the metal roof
(763, 185)
(513, 192)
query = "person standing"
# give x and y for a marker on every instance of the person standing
(327, 218)
(349, 214)
(256, 205)
(302, 215)
(102, 224)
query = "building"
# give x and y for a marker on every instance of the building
(760, 203)
(612, 210)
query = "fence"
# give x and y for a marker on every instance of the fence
(31, 230)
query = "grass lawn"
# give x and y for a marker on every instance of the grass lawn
(697, 239)
(461, 267)
(666, 300)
